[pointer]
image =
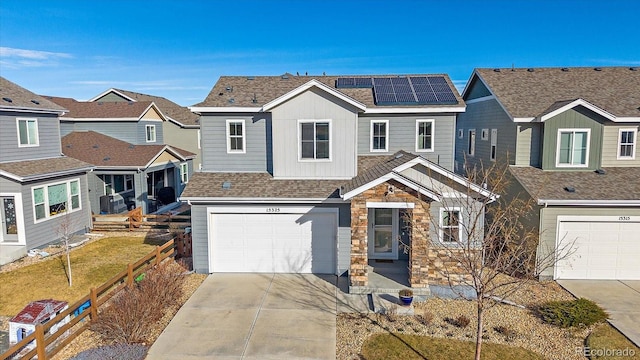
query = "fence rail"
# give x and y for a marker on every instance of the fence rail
(135, 220)
(44, 341)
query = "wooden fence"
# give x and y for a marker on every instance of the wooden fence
(135, 220)
(46, 345)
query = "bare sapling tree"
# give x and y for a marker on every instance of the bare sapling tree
(64, 229)
(487, 238)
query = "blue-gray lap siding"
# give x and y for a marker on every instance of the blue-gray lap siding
(402, 136)
(48, 137)
(213, 136)
(133, 132)
(200, 232)
(45, 232)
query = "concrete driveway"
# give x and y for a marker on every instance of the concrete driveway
(621, 299)
(254, 316)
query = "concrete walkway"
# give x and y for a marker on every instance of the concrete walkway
(621, 299)
(254, 316)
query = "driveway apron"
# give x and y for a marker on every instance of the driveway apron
(254, 316)
(620, 298)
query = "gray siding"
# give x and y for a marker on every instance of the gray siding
(314, 105)
(549, 226)
(133, 132)
(9, 186)
(112, 97)
(142, 132)
(45, 232)
(402, 136)
(186, 139)
(200, 239)
(48, 137)
(477, 90)
(528, 144)
(610, 138)
(577, 118)
(485, 115)
(472, 224)
(214, 143)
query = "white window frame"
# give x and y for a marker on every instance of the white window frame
(484, 134)
(112, 182)
(441, 227)
(243, 136)
(433, 134)
(199, 140)
(150, 136)
(460, 133)
(37, 135)
(471, 142)
(315, 121)
(68, 210)
(493, 149)
(184, 172)
(560, 132)
(386, 135)
(633, 145)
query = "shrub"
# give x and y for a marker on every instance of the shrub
(133, 312)
(405, 292)
(461, 321)
(114, 352)
(572, 313)
(425, 319)
(508, 333)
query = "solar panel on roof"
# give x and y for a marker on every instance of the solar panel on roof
(419, 80)
(437, 80)
(363, 82)
(345, 83)
(426, 98)
(448, 97)
(353, 83)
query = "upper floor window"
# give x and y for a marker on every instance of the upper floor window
(27, 132)
(424, 135)
(573, 147)
(184, 173)
(315, 141)
(471, 144)
(236, 137)
(56, 199)
(151, 133)
(450, 229)
(627, 144)
(379, 135)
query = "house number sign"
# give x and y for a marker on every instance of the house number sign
(273, 210)
(624, 218)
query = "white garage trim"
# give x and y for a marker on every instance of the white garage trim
(606, 247)
(238, 213)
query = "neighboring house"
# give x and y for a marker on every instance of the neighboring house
(570, 136)
(317, 174)
(182, 128)
(124, 141)
(36, 313)
(41, 191)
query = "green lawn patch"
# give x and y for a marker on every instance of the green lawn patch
(400, 346)
(607, 343)
(91, 265)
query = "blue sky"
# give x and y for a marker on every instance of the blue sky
(178, 49)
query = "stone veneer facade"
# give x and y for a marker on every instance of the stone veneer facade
(428, 264)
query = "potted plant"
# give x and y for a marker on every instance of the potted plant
(406, 296)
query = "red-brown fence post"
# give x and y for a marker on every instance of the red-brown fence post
(130, 274)
(40, 345)
(158, 253)
(94, 303)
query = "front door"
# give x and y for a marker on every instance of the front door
(383, 233)
(8, 219)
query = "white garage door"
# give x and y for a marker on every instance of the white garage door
(281, 243)
(603, 250)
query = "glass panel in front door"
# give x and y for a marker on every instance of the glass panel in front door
(384, 234)
(9, 222)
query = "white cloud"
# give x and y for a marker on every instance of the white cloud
(7, 52)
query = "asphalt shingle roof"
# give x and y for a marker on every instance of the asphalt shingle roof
(34, 168)
(21, 98)
(178, 113)
(617, 184)
(383, 167)
(101, 110)
(255, 91)
(105, 151)
(526, 93)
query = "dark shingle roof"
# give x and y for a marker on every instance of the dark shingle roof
(255, 91)
(383, 167)
(178, 113)
(526, 93)
(617, 184)
(105, 151)
(27, 169)
(101, 110)
(13, 96)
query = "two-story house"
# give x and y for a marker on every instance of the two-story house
(43, 194)
(570, 138)
(304, 174)
(125, 143)
(182, 128)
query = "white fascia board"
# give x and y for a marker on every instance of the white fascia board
(33, 110)
(154, 106)
(112, 90)
(578, 102)
(414, 110)
(385, 178)
(627, 119)
(312, 83)
(598, 203)
(45, 176)
(524, 119)
(182, 125)
(232, 200)
(218, 109)
(390, 205)
(168, 149)
(99, 119)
